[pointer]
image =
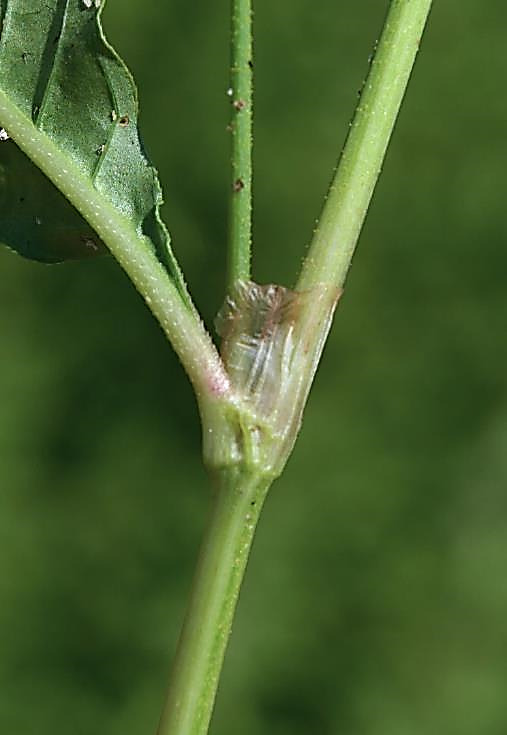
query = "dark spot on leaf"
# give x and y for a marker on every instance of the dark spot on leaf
(124, 121)
(238, 185)
(239, 105)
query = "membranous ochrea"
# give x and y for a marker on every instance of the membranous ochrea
(272, 338)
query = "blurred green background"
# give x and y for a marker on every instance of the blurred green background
(376, 598)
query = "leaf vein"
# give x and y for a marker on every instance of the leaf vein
(49, 59)
(115, 107)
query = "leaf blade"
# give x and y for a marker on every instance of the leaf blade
(58, 68)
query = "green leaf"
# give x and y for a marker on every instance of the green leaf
(59, 71)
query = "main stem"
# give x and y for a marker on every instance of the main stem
(241, 99)
(335, 239)
(236, 506)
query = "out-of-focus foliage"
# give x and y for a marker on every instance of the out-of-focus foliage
(375, 602)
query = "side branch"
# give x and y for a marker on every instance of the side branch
(241, 99)
(347, 202)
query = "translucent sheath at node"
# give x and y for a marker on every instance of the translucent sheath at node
(272, 339)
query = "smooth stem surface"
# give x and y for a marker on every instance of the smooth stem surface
(215, 591)
(241, 99)
(179, 321)
(335, 239)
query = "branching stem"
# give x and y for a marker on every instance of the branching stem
(225, 550)
(229, 419)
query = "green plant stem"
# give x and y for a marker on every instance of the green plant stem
(225, 550)
(240, 93)
(239, 492)
(180, 322)
(220, 569)
(335, 238)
